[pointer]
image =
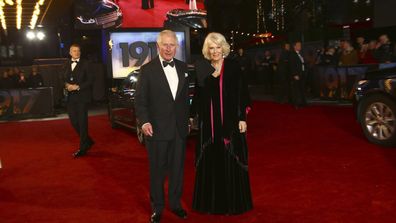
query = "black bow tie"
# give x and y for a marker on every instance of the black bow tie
(74, 61)
(166, 63)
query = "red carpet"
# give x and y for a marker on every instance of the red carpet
(136, 17)
(310, 165)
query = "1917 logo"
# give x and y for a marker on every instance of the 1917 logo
(138, 50)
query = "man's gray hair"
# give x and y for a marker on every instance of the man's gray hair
(167, 32)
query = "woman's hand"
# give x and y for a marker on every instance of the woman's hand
(242, 126)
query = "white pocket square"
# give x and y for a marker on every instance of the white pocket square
(185, 74)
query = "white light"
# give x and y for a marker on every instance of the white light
(2, 17)
(36, 13)
(40, 35)
(9, 2)
(368, 19)
(18, 14)
(345, 27)
(355, 1)
(356, 20)
(30, 35)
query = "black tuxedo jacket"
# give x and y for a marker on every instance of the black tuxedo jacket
(80, 76)
(154, 102)
(295, 65)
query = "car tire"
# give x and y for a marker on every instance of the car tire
(140, 135)
(378, 120)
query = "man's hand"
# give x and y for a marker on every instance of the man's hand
(72, 87)
(296, 77)
(242, 126)
(147, 129)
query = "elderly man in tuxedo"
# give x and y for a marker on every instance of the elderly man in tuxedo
(162, 110)
(78, 83)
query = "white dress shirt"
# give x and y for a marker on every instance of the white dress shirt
(73, 65)
(171, 76)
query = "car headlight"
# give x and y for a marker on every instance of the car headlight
(133, 79)
(361, 82)
(86, 21)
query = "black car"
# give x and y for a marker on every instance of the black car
(194, 19)
(121, 101)
(97, 14)
(375, 106)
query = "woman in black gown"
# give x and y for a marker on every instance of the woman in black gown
(221, 101)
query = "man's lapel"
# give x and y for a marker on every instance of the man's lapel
(181, 76)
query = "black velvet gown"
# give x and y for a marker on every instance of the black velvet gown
(222, 181)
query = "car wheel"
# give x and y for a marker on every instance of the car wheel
(378, 120)
(140, 134)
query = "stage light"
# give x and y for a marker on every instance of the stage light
(368, 19)
(40, 35)
(30, 35)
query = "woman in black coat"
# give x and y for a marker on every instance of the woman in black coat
(221, 101)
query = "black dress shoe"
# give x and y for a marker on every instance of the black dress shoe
(155, 217)
(79, 153)
(180, 212)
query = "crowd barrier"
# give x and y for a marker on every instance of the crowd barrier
(26, 103)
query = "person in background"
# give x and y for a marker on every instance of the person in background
(78, 82)
(349, 55)
(366, 55)
(6, 82)
(283, 74)
(221, 101)
(297, 75)
(360, 41)
(22, 80)
(269, 69)
(329, 58)
(244, 62)
(384, 50)
(35, 79)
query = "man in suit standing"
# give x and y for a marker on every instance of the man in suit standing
(162, 110)
(297, 72)
(78, 85)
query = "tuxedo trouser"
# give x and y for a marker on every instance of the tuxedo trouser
(298, 93)
(78, 115)
(166, 157)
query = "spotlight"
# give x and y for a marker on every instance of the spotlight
(30, 35)
(40, 35)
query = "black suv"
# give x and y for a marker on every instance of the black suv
(121, 108)
(375, 106)
(97, 14)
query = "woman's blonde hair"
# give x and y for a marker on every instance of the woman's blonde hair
(218, 39)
